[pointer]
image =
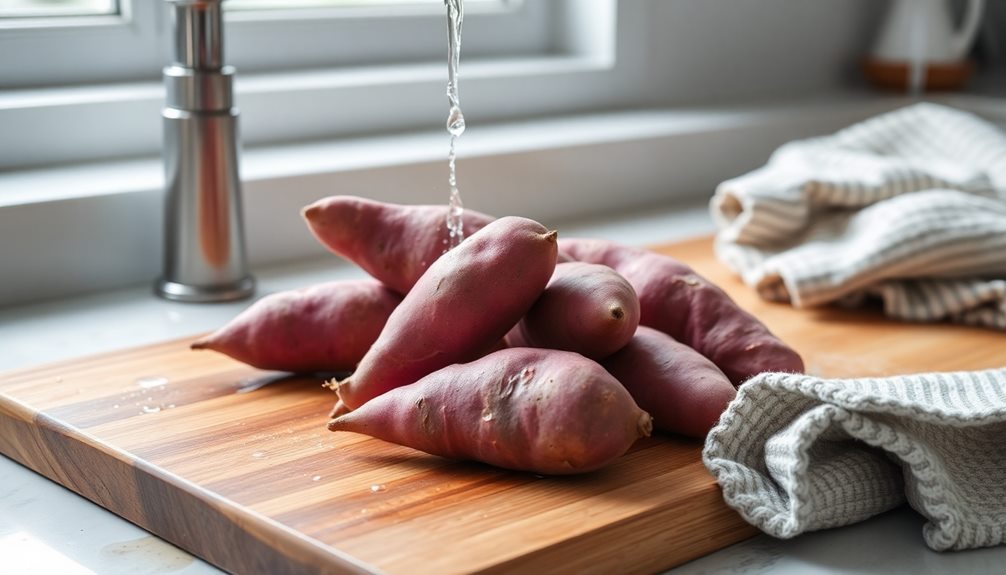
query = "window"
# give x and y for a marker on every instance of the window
(92, 87)
(105, 41)
(41, 8)
(299, 4)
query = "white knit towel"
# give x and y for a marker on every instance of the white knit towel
(796, 453)
(909, 206)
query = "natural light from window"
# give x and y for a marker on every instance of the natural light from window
(41, 8)
(45, 8)
(281, 4)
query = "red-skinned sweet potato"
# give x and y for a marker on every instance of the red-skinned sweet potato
(586, 308)
(459, 309)
(327, 327)
(544, 411)
(686, 306)
(393, 243)
(683, 391)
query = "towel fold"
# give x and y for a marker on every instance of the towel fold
(908, 207)
(796, 453)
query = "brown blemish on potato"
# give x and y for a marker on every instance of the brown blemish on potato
(617, 312)
(644, 426)
(424, 416)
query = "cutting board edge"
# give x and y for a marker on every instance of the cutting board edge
(629, 563)
(33, 440)
(721, 527)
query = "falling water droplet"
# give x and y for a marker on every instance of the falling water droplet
(456, 121)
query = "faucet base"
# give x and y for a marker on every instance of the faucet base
(175, 291)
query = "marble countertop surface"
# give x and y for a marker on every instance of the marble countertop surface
(45, 528)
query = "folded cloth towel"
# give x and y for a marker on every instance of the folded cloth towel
(909, 207)
(796, 453)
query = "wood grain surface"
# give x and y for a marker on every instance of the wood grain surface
(235, 465)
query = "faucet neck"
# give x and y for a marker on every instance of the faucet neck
(198, 34)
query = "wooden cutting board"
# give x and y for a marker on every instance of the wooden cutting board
(192, 447)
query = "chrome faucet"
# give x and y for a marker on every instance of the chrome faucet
(204, 243)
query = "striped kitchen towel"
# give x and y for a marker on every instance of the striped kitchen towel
(908, 207)
(796, 453)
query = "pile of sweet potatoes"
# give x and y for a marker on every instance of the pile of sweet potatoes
(494, 351)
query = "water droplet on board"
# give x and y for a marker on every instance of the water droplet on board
(316, 478)
(260, 455)
(152, 382)
(378, 487)
(151, 408)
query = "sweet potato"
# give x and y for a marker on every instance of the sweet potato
(686, 306)
(327, 327)
(683, 391)
(393, 243)
(459, 309)
(539, 410)
(586, 308)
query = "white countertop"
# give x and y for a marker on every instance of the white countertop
(45, 528)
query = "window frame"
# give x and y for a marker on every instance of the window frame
(70, 122)
(69, 50)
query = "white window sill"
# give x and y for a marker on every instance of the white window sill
(95, 227)
(75, 123)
